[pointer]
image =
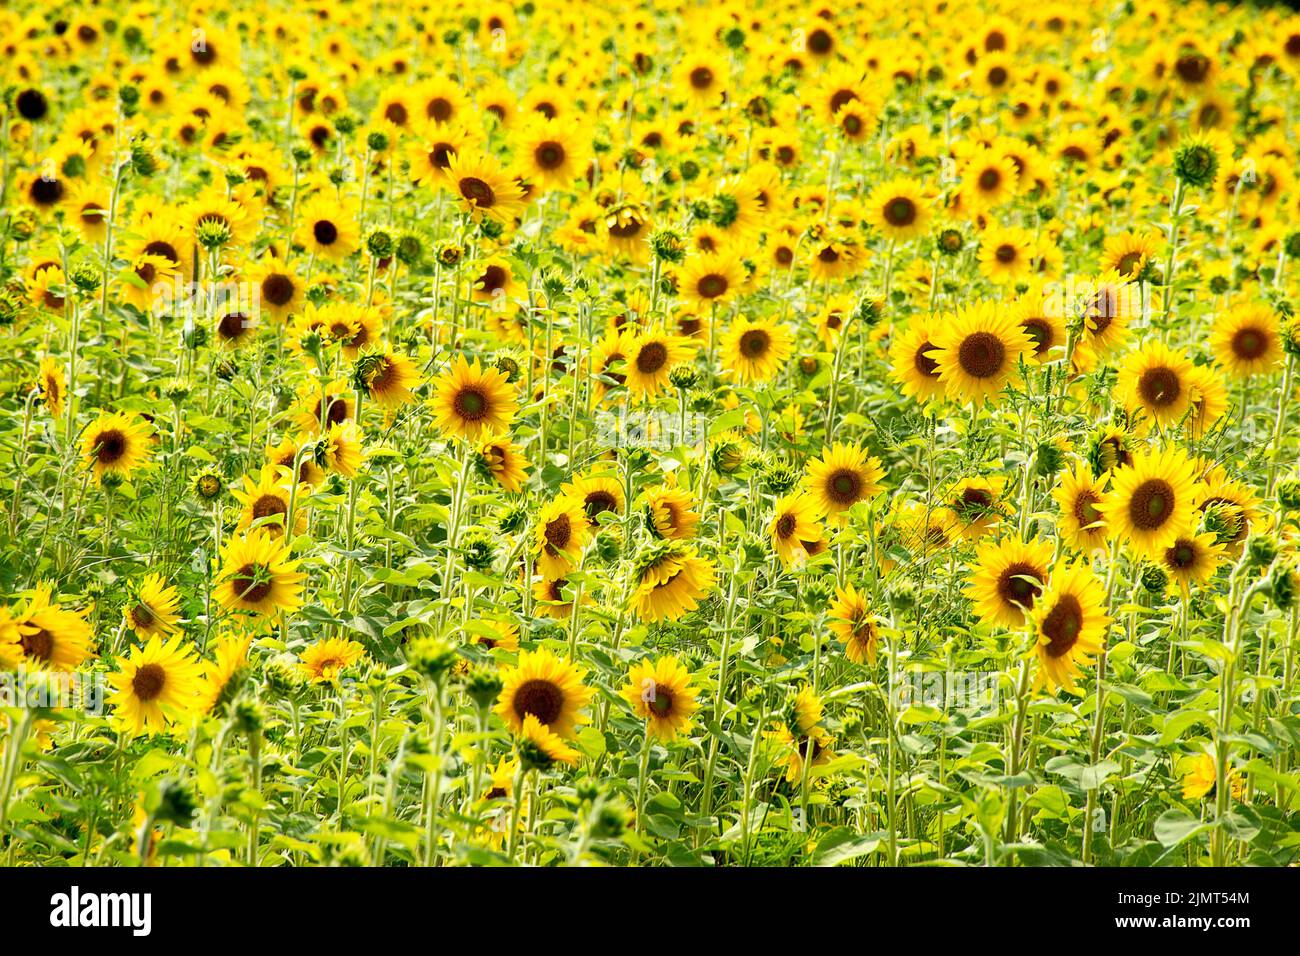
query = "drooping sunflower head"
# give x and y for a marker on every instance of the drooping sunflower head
(795, 528)
(1081, 522)
(561, 532)
(670, 580)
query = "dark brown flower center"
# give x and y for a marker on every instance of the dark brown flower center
(711, 286)
(900, 211)
(326, 232)
(598, 502)
(981, 355)
(470, 404)
(844, 486)
(701, 78)
(478, 192)
(785, 526)
(252, 583)
(277, 289)
(269, 505)
(1181, 556)
(1152, 504)
(1159, 386)
(754, 343)
(558, 532)
(1020, 583)
(38, 646)
(148, 682)
(652, 357)
(1249, 343)
(110, 447)
(541, 698)
(1062, 625)
(923, 363)
(549, 155)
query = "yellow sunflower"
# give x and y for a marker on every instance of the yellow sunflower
(1192, 559)
(795, 528)
(843, 475)
(754, 351)
(547, 688)
(115, 444)
(504, 461)
(153, 610)
(559, 537)
(669, 582)
(711, 279)
(1156, 381)
(1246, 341)
(910, 363)
(323, 661)
(661, 694)
(50, 636)
(1150, 503)
(851, 620)
(1081, 524)
(265, 501)
(157, 685)
(978, 353)
(1069, 625)
(470, 400)
(651, 356)
(669, 513)
(1009, 575)
(258, 574)
(483, 187)
(328, 227)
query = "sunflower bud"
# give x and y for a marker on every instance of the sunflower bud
(1048, 459)
(1223, 521)
(208, 485)
(171, 801)
(508, 366)
(610, 821)
(380, 244)
(1154, 579)
(609, 545)
(212, 233)
(950, 242)
(249, 717)
(284, 680)
(779, 477)
(684, 377)
(667, 245)
(512, 519)
(84, 277)
(409, 249)
(817, 594)
(1284, 583)
(377, 142)
(1196, 164)
(728, 455)
(1288, 493)
(450, 255)
(478, 551)
(902, 597)
(483, 686)
(1261, 549)
(431, 657)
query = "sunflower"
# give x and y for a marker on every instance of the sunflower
(795, 528)
(470, 400)
(1209, 399)
(801, 737)
(978, 351)
(711, 279)
(539, 747)
(651, 356)
(1156, 380)
(1130, 254)
(554, 151)
(626, 228)
(388, 377)
(1192, 559)
(278, 288)
(1081, 523)
(851, 620)
(661, 694)
(668, 513)
(153, 608)
(1150, 503)
(157, 685)
(328, 227)
(551, 600)
(1006, 253)
(483, 187)
(547, 688)
(1246, 341)
(1008, 577)
(561, 532)
(265, 501)
(898, 209)
(1231, 506)
(700, 78)
(504, 461)
(1040, 315)
(342, 450)
(843, 475)
(430, 153)
(910, 363)
(755, 350)
(287, 452)
(1108, 305)
(323, 661)
(977, 506)
(505, 635)
(669, 581)
(115, 444)
(988, 179)
(597, 493)
(1069, 625)
(258, 575)
(48, 635)
(51, 383)
(323, 404)
(225, 673)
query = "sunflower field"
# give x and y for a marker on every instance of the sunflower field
(674, 433)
